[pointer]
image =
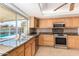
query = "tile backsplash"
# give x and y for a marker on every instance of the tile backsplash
(44, 30)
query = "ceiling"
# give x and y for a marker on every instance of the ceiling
(46, 10)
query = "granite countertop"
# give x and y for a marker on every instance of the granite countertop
(4, 49)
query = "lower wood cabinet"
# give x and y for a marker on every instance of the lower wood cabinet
(46, 39)
(21, 54)
(12, 53)
(30, 48)
(19, 51)
(36, 43)
(27, 49)
(73, 41)
(33, 47)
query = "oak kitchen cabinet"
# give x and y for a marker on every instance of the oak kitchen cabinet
(19, 51)
(73, 41)
(48, 23)
(72, 22)
(58, 20)
(36, 43)
(46, 40)
(12, 53)
(33, 46)
(68, 22)
(75, 21)
(34, 22)
(26, 49)
(45, 23)
(30, 47)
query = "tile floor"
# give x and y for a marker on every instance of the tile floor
(50, 51)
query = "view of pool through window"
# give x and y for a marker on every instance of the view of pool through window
(12, 26)
(8, 35)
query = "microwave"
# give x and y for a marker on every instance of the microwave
(59, 25)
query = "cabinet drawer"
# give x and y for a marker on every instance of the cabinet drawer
(49, 43)
(48, 40)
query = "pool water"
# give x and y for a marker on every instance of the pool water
(3, 35)
(11, 42)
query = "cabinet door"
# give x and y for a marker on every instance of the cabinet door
(77, 42)
(33, 48)
(41, 39)
(28, 50)
(47, 43)
(49, 39)
(46, 23)
(20, 50)
(71, 41)
(32, 22)
(12, 53)
(46, 40)
(36, 43)
(76, 22)
(36, 23)
(58, 20)
(69, 22)
(21, 54)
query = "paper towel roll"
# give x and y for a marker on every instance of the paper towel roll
(17, 37)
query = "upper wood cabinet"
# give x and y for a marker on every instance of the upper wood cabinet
(75, 21)
(58, 20)
(72, 22)
(48, 23)
(34, 22)
(73, 41)
(46, 39)
(68, 22)
(45, 23)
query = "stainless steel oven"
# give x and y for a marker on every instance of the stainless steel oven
(60, 39)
